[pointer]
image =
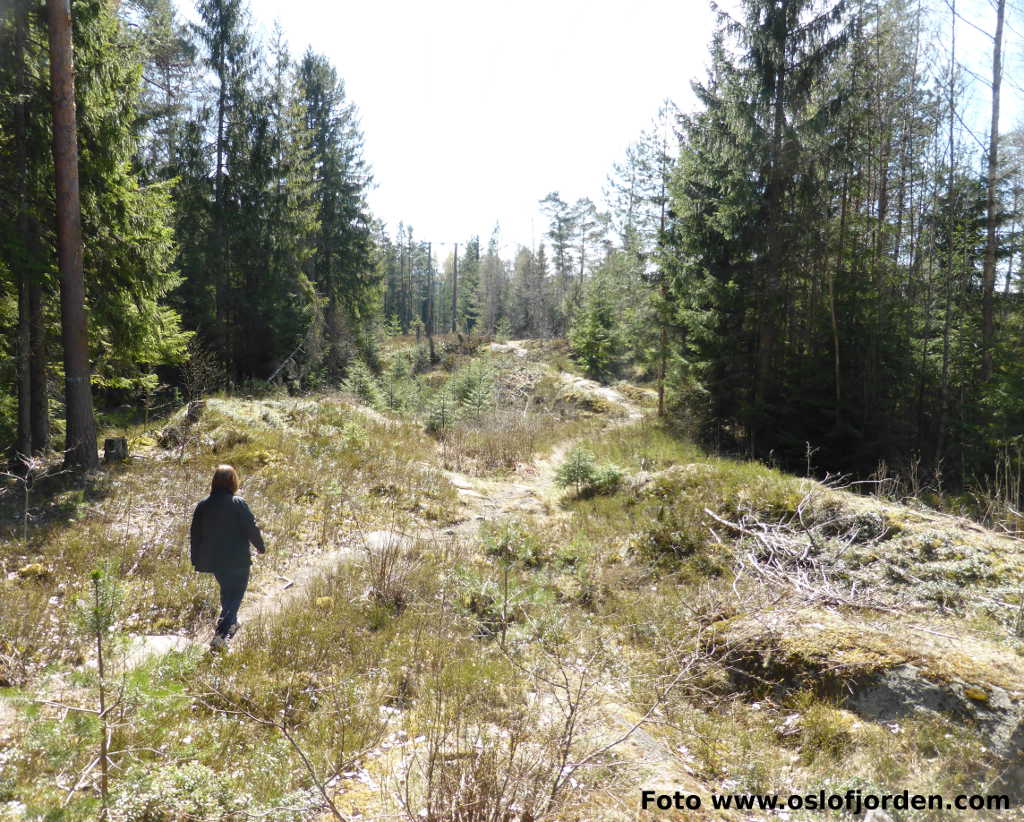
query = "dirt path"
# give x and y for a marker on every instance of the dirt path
(533, 490)
(646, 762)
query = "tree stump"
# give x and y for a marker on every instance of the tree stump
(115, 449)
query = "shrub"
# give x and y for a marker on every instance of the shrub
(361, 383)
(511, 542)
(581, 470)
(578, 469)
(473, 385)
(443, 412)
(606, 480)
(187, 791)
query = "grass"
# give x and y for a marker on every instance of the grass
(310, 470)
(179, 721)
(467, 673)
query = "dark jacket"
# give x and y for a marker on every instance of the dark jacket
(222, 528)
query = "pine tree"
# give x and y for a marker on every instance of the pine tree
(638, 193)
(596, 333)
(745, 194)
(80, 446)
(493, 288)
(25, 169)
(561, 232)
(520, 311)
(169, 81)
(228, 56)
(275, 201)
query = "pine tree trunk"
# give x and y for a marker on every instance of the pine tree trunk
(989, 268)
(221, 310)
(455, 290)
(769, 309)
(663, 308)
(80, 443)
(430, 302)
(940, 440)
(23, 444)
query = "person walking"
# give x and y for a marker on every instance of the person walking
(222, 529)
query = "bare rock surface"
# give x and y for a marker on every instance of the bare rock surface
(142, 647)
(513, 347)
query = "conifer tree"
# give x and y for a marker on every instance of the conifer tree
(341, 266)
(468, 298)
(80, 425)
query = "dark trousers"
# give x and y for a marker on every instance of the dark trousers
(233, 582)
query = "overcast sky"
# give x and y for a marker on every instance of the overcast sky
(473, 110)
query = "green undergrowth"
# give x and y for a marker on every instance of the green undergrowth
(490, 413)
(659, 512)
(313, 471)
(445, 674)
(764, 706)
(436, 694)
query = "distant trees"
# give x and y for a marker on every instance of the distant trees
(822, 254)
(468, 297)
(577, 233)
(638, 193)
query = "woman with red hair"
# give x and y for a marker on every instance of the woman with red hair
(222, 529)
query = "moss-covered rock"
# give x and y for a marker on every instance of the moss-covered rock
(884, 670)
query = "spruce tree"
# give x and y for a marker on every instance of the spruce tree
(342, 265)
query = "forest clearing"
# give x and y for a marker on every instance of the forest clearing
(696, 499)
(459, 625)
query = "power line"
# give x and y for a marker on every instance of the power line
(968, 22)
(967, 128)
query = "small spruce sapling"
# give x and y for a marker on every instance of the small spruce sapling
(581, 470)
(578, 470)
(96, 616)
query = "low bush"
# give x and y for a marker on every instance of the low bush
(361, 383)
(581, 471)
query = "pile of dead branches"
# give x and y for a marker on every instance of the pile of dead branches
(802, 553)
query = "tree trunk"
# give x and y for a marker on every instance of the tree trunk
(222, 309)
(37, 366)
(989, 269)
(455, 290)
(23, 444)
(663, 308)
(80, 443)
(770, 307)
(833, 318)
(940, 440)
(430, 302)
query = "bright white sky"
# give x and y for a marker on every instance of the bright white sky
(473, 110)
